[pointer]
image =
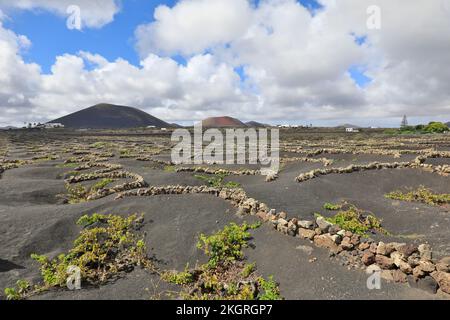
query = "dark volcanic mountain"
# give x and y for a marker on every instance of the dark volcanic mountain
(110, 116)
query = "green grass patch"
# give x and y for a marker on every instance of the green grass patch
(19, 292)
(216, 181)
(226, 245)
(225, 275)
(99, 145)
(101, 184)
(421, 194)
(332, 207)
(169, 168)
(180, 278)
(249, 268)
(78, 193)
(356, 221)
(270, 290)
(100, 252)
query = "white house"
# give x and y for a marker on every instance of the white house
(351, 130)
(52, 125)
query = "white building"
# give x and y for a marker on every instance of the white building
(53, 125)
(351, 130)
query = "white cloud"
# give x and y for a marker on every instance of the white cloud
(159, 85)
(295, 65)
(19, 81)
(299, 63)
(193, 25)
(93, 13)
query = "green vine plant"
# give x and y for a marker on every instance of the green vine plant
(107, 246)
(216, 181)
(353, 219)
(421, 194)
(78, 193)
(110, 245)
(225, 275)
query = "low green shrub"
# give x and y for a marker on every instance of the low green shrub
(332, 207)
(421, 194)
(100, 252)
(356, 221)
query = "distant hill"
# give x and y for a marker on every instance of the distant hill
(8, 128)
(220, 122)
(255, 124)
(348, 125)
(110, 116)
(176, 125)
(448, 124)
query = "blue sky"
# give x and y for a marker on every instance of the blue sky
(298, 72)
(51, 38)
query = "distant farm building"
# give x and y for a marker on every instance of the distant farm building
(351, 129)
(53, 125)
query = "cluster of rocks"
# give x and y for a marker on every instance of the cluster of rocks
(138, 182)
(429, 152)
(81, 152)
(236, 196)
(326, 162)
(397, 262)
(111, 171)
(271, 176)
(443, 170)
(107, 167)
(359, 150)
(45, 156)
(12, 164)
(128, 155)
(207, 170)
(419, 162)
(435, 154)
(118, 174)
(351, 168)
(94, 158)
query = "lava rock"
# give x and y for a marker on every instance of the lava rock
(323, 224)
(443, 279)
(425, 252)
(346, 244)
(306, 233)
(326, 241)
(307, 224)
(384, 262)
(407, 250)
(368, 258)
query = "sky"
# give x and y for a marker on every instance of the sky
(321, 62)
